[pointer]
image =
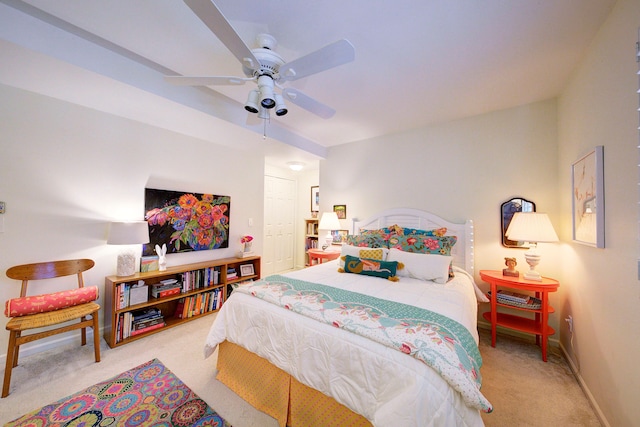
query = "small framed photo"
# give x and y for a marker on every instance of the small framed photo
(315, 198)
(341, 211)
(149, 263)
(246, 270)
(339, 236)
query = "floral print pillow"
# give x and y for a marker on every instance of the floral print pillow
(367, 240)
(405, 231)
(424, 244)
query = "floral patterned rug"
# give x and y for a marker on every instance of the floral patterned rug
(147, 395)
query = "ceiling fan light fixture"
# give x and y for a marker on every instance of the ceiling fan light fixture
(281, 108)
(263, 114)
(252, 102)
(265, 86)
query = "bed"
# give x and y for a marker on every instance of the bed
(301, 348)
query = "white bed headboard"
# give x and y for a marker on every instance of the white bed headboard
(414, 218)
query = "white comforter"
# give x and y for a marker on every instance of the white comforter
(384, 385)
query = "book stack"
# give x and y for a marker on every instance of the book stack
(198, 279)
(146, 320)
(137, 322)
(199, 304)
(231, 273)
(518, 300)
(165, 288)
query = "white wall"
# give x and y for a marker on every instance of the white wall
(599, 107)
(66, 171)
(459, 170)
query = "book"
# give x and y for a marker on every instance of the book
(513, 296)
(533, 303)
(146, 323)
(159, 290)
(150, 328)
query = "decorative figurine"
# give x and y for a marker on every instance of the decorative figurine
(162, 257)
(510, 270)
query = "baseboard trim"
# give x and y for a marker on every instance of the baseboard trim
(35, 347)
(555, 342)
(584, 387)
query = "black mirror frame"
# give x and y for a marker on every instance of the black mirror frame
(507, 210)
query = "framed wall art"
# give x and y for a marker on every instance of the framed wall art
(587, 183)
(339, 236)
(186, 221)
(341, 211)
(315, 198)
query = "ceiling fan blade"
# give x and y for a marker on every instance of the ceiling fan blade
(211, 16)
(308, 103)
(330, 56)
(205, 81)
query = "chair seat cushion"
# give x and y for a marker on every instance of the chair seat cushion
(24, 306)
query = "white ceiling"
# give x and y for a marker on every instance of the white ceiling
(417, 62)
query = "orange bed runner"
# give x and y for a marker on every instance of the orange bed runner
(276, 393)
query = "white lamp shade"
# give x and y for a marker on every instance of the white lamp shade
(128, 233)
(531, 227)
(329, 221)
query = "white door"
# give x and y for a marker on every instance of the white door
(279, 212)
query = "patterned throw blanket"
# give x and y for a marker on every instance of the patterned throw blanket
(440, 342)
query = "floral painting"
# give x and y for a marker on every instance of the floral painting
(186, 221)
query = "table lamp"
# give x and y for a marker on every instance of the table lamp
(329, 222)
(127, 234)
(531, 227)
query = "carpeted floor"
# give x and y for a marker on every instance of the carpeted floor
(524, 390)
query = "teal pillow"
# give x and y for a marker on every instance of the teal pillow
(367, 240)
(371, 267)
(404, 231)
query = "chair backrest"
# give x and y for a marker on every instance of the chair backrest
(49, 270)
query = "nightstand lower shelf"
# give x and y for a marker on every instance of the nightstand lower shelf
(518, 323)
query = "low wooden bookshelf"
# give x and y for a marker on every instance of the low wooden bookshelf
(201, 292)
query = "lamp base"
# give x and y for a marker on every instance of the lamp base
(328, 239)
(533, 259)
(532, 275)
(126, 264)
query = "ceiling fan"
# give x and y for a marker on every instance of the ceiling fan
(266, 67)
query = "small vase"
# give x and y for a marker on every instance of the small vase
(247, 246)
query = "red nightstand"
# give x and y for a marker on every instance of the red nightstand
(539, 325)
(320, 255)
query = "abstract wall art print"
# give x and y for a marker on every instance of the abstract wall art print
(186, 221)
(587, 174)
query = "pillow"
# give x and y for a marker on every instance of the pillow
(24, 306)
(404, 231)
(379, 254)
(422, 266)
(423, 244)
(367, 240)
(370, 267)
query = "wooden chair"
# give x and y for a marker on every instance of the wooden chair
(50, 315)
